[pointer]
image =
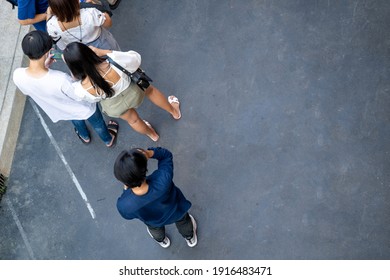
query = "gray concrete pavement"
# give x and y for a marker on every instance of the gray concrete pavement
(11, 103)
(282, 148)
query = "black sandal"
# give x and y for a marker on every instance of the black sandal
(113, 128)
(81, 138)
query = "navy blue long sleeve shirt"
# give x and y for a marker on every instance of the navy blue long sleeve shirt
(28, 9)
(163, 203)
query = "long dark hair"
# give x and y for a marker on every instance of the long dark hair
(65, 10)
(83, 62)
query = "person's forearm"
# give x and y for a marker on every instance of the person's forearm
(37, 18)
(100, 52)
(165, 161)
(161, 153)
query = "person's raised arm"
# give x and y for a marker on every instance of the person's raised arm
(165, 163)
(100, 52)
(37, 18)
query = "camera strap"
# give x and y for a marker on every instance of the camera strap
(139, 76)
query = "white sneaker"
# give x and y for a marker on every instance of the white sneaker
(194, 240)
(165, 243)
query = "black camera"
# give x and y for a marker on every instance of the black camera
(138, 76)
(141, 79)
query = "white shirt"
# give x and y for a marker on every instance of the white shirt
(130, 60)
(54, 93)
(91, 21)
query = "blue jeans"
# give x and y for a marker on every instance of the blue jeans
(98, 123)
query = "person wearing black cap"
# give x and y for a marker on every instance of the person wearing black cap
(52, 90)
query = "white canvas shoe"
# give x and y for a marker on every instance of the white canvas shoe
(165, 243)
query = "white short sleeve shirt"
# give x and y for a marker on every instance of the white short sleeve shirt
(54, 93)
(130, 60)
(89, 30)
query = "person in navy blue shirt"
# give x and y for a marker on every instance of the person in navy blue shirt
(33, 12)
(153, 199)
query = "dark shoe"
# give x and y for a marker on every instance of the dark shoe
(115, 5)
(113, 128)
(85, 141)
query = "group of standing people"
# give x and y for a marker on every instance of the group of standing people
(88, 49)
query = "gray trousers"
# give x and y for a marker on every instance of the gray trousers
(184, 226)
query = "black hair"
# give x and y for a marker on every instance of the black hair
(36, 43)
(83, 62)
(130, 167)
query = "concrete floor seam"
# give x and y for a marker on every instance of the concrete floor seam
(20, 227)
(63, 159)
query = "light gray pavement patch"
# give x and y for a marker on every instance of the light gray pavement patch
(11, 102)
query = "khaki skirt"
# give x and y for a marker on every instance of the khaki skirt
(131, 97)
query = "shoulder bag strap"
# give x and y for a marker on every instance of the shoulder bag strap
(119, 67)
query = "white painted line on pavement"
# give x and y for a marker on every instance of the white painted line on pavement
(61, 155)
(20, 227)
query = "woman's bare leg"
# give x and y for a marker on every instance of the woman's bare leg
(133, 119)
(161, 101)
